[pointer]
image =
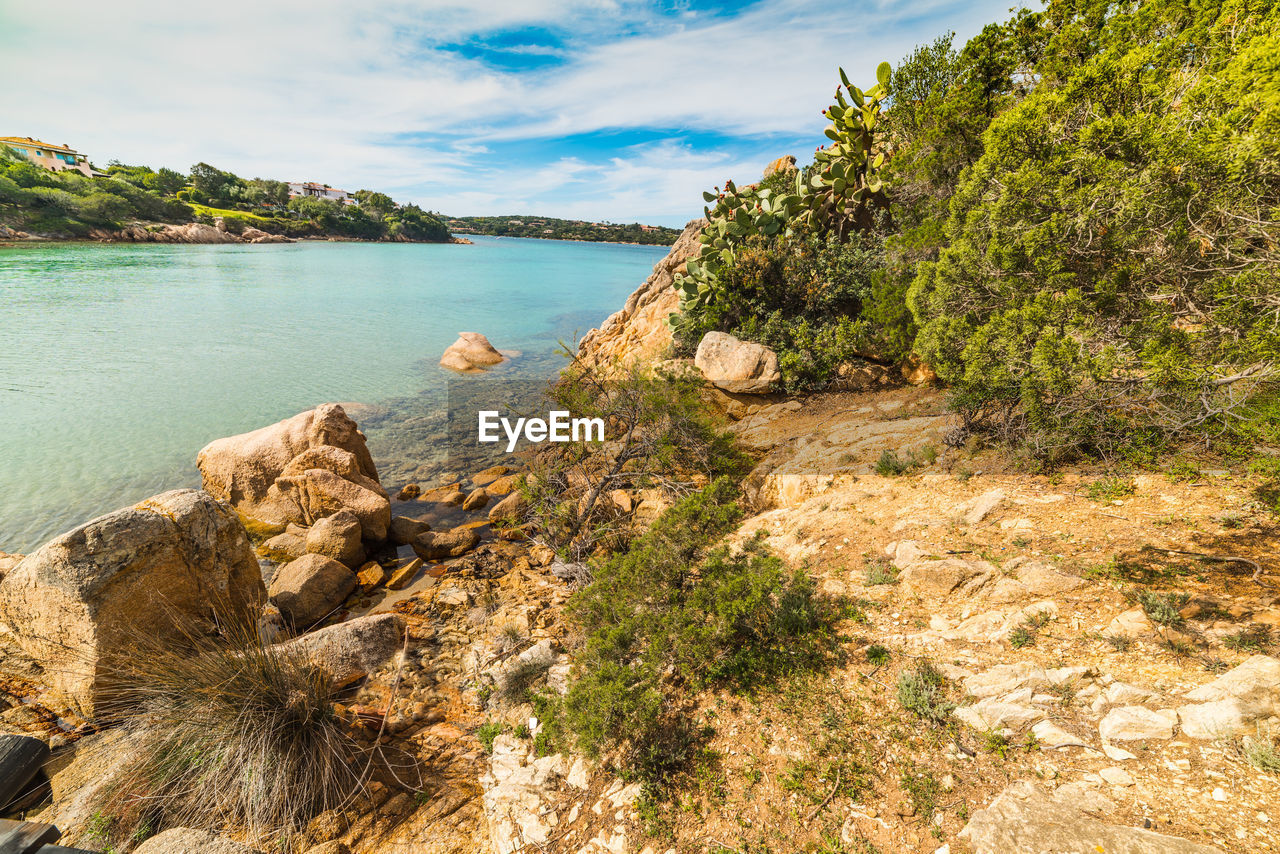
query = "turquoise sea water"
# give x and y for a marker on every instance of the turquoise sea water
(118, 362)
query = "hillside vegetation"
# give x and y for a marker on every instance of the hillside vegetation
(68, 204)
(565, 229)
(1072, 218)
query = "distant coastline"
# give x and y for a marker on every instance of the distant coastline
(551, 228)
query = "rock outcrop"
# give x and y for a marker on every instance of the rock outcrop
(639, 332)
(785, 164)
(471, 352)
(735, 366)
(1025, 818)
(337, 537)
(351, 650)
(185, 840)
(79, 603)
(299, 470)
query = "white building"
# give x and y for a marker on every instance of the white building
(319, 191)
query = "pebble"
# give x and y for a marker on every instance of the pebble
(1219, 794)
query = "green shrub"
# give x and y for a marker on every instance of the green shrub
(922, 692)
(1109, 255)
(674, 614)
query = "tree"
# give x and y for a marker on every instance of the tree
(377, 204)
(213, 183)
(165, 181)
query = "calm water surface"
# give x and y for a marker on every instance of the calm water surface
(118, 363)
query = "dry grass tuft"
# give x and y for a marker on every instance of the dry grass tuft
(227, 734)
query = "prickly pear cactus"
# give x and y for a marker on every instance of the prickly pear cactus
(841, 192)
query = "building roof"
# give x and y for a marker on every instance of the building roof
(35, 143)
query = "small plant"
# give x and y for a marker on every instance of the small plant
(488, 731)
(994, 741)
(1163, 608)
(891, 465)
(881, 574)
(1026, 633)
(1109, 489)
(1120, 643)
(877, 655)
(921, 692)
(1021, 542)
(1254, 638)
(922, 789)
(1260, 751)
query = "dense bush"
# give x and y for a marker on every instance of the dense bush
(673, 614)
(1109, 260)
(1079, 228)
(658, 435)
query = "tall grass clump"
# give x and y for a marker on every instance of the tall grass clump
(225, 733)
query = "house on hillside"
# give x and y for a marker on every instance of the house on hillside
(50, 156)
(319, 191)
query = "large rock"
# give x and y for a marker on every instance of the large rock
(737, 366)
(1136, 723)
(310, 588)
(471, 352)
(299, 470)
(438, 545)
(79, 604)
(785, 164)
(1025, 818)
(510, 509)
(338, 537)
(1233, 701)
(638, 332)
(350, 651)
(184, 840)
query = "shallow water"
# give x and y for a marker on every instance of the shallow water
(119, 362)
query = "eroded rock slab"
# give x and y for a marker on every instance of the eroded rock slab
(1027, 819)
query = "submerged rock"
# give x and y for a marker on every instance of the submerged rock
(472, 351)
(79, 603)
(737, 366)
(299, 470)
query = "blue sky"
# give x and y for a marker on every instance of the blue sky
(594, 109)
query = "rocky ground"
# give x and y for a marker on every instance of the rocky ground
(1106, 643)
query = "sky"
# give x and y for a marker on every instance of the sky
(603, 110)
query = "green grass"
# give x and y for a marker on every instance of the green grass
(205, 210)
(1106, 489)
(488, 731)
(1254, 638)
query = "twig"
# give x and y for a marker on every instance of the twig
(1257, 567)
(827, 799)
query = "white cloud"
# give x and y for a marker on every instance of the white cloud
(340, 90)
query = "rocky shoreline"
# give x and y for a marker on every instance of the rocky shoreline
(191, 233)
(1089, 705)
